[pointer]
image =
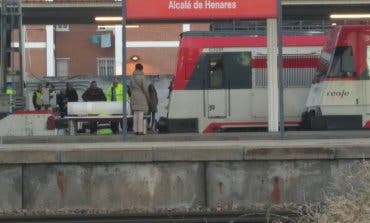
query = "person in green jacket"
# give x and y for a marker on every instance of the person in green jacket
(115, 93)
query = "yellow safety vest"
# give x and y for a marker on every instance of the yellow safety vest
(104, 128)
(38, 98)
(11, 92)
(119, 93)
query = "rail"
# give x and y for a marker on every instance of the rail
(247, 216)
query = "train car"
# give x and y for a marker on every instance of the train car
(221, 81)
(340, 96)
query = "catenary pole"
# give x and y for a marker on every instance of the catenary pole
(280, 71)
(124, 77)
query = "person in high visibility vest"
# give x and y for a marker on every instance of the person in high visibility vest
(115, 93)
(37, 98)
(11, 92)
(104, 128)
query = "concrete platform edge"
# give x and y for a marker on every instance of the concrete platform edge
(183, 151)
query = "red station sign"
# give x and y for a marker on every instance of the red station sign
(149, 10)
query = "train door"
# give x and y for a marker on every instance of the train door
(229, 79)
(215, 88)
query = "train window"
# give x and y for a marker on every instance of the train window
(196, 73)
(342, 64)
(238, 69)
(221, 70)
(215, 73)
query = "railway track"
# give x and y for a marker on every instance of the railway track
(259, 217)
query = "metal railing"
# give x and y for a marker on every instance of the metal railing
(253, 26)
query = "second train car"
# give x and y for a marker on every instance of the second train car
(221, 81)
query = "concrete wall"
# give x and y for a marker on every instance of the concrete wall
(156, 177)
(25, 125)
(138, 187)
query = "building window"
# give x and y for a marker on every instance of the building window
(106, 66)
(62, 67)
(62, 28)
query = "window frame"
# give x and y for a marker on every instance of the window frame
(68, 60)
(106, 60)
(62, 28)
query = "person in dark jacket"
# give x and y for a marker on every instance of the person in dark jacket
(139, 99)
(67, 95)
(153, 103)
(93, 93)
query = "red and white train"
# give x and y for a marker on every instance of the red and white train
(221, 81)
(340, 96)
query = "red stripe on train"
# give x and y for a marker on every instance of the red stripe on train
(289, 63)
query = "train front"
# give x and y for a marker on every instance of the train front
(340, 95)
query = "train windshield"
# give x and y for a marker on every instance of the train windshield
(337, 63)
(342, 64)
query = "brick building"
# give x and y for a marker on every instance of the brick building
(89, 50)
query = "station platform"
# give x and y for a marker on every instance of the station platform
(155, 137)
(177, 176)
(132, 152)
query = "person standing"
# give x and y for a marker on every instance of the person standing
(153, 103)
(53, 98)
(139, 99)
(93, 93)
(115, 93)
(37, 98)
(69, 94)
(46, 96)
(9, 90)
